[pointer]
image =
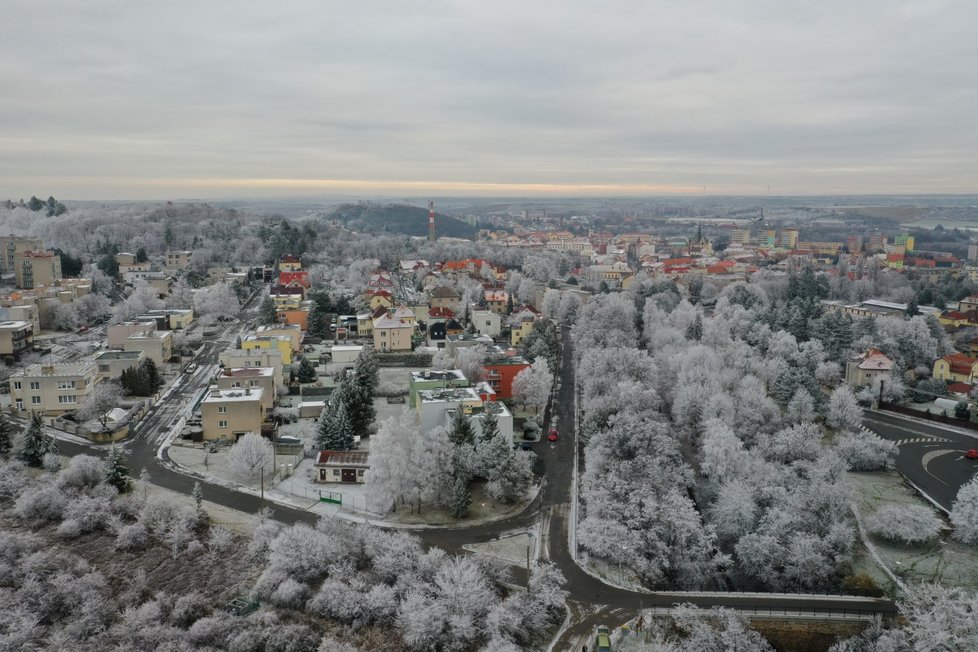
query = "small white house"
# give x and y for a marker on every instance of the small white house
(487, 322)
(345, 354)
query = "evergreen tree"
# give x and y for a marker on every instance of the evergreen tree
(335, 431)
(462, 431)
(116, 471)
(360, 395)
(695, 330)
(461, 498)
(490, 425)
(151, 375)
(307, 371)
(237, 342)
(912, 309)
(6, 436)
(266, 312)
(35, 443)
(367, 371)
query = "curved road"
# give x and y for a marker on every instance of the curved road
(591, 600)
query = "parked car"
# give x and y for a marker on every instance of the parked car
(603, 644)
(190, 368)
(552, 437)
(526, 446)
(972, 454)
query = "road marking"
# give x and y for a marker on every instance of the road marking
(929, 457)
(921, 440)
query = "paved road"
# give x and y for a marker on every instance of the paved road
(931, 456)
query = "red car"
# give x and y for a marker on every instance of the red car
(972, 454)
(552, 437)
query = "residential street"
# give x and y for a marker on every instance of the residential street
(931, 456)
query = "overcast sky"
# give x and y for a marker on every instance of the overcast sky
(131, 99)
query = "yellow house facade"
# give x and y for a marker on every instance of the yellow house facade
(956, 368)
(282, 343)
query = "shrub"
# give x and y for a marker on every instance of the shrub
(862, 584)
(132, 538)
(907, 523)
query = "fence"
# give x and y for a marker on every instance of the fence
(930, 416)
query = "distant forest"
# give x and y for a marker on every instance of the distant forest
(399, 218)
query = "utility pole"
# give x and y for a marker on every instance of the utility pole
(263, 482)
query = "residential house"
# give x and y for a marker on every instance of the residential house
(290, 263)
(346, 467)
(16, 337)
(405, 313)
(866, 368)
(521, 323)
(111, 364)
(36, 268)
(487, 322)
(157, 345)
(953, 319)
(365, 322)
(256, 357)
(282, 343)
(177, 261)
(445, 297)
(292, 331)
(500, 371)
(379, 299)
(228, 414)
(53, 389)
(496, 300)
(169, 319)
(262, 378)
(956, 368)
(392, 334)
(434, 379)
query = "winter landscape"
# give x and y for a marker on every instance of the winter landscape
(489, 327)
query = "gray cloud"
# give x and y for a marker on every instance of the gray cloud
(131, 99)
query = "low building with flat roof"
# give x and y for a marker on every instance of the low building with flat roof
(16, 338)
(262, 378)
(434, 379)
(157, 345)
(111, 364)
(433, 405)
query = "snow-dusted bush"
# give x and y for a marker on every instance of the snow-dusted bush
(843, 412)
(964, 513)
(290, 593)
(82, 472)
(188, 609)
(907, 523)
(40, 506)
(219, 538)
(132, 537)
(864, 451)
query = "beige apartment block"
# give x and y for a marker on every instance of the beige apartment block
(157, 345)
(176, 261)
(125, 259)
(111, 364)
(168, 319)
(228, 414)
(53, 389)
(247, 358)
(10, 245)
(252, 378)
(27, 312)
(119, 333)
(36, 268)
(16, 337)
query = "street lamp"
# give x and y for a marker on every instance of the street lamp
(621, 572)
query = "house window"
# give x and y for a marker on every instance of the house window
(66, 398)
(20, 404)
(222, 424)
(35, 400)
(103, 369)
(336, 471)
(35, 384)
(66, 384)
(360, 472)
(17, 384)
(222, 409)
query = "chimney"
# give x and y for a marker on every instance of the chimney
(431, 221)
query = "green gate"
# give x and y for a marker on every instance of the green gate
(331, 497)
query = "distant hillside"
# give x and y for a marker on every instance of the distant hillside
(399, 218)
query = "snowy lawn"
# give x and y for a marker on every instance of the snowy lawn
(481, 510)
(511, 549)
(195, 458)
(943, 560)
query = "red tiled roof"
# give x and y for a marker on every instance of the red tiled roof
(959, 388)
(440, 313)
(342, 458)
(678, 261)
(954, 314)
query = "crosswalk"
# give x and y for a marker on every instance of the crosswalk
(920, 440)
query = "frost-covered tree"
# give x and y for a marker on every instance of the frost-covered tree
(551, 303)
(801, 408)
(307, 371)
(905, 523)
(723, 452)
(219, 301)
(250, 455)
(461, 497)
(34, 443)
(843, 411)
(442, 360)
(267, 313)
(101, 400)
(469, 360)
(532, 386)
(392, 475)
(964, 513)
(6, 436)
(864, 451)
